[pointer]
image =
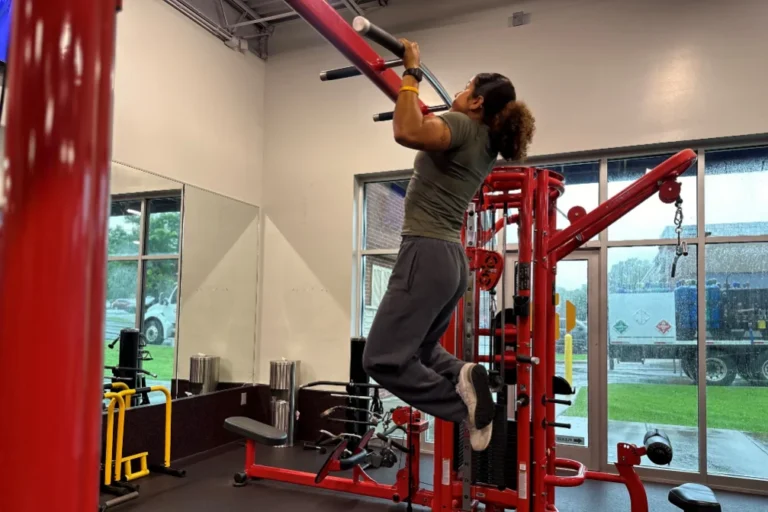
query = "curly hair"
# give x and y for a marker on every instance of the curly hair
(511, 122)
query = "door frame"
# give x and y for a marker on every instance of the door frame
(591, 454)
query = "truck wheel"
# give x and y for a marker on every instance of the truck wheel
(759, 373)
(688, 364)
(153, 331)
(721, 369)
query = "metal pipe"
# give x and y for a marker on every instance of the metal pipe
(638, 191)
(542, 298)
(324, 18)
(258, 20)
(350, 71)
(200, 18)
(523, 291)
(436, 85)
(249, 11)
(353, 7)
(48, 243)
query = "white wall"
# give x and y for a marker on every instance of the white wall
(220, 254)
(186, 106)
(124, 180)
(596, 73)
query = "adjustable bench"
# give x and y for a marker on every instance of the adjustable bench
(256, 431)
(694, 498)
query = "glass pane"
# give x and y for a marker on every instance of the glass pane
(124, 220)
(376, 273)
(159, 318)
(571, 356)
(652, 219)
(122, 278)
(581, 189)
(383, 210)
(163, 226)
(737, 359)
(651, 349)
(734, 192)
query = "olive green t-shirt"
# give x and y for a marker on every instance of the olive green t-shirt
(444, 182)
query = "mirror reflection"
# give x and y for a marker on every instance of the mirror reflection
(181, 282)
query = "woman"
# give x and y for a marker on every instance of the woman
(456, 153)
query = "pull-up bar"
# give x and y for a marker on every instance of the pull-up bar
(349, 41)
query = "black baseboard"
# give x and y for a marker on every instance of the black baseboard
(180, 387)
(197, 422)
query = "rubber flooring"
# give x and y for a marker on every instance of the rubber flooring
(208, 488)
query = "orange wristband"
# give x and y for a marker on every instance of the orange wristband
(407, 88)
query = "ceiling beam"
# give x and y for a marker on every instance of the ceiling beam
(258, 20)
(248, 10)
(353, 7)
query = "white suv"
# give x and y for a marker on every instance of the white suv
(160, 319)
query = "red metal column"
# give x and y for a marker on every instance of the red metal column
(48, 247)
(525, 259)
(551, 326)
(542, 298)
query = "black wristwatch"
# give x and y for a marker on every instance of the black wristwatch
(416, 73)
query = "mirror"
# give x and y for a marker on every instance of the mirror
(182, 269)
(218, 292)
(143, 266)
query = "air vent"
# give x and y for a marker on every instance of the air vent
(519, 19)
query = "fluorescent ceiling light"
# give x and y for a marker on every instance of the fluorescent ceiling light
(133, 212)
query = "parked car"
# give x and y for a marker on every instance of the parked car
(127, 305)
(160, 319)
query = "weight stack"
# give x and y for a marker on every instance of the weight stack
(497, 466)
(488, 467)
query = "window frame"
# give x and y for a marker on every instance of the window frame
(142, 258)
(601, 245)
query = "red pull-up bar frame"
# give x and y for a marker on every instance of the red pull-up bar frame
(53, 250)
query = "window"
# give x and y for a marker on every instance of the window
(124, 228)
(652, 220)
(376, 272)
(734, 195)
(582, 189)
(384, 208)
(652, 321)
(142, 279)
(737, 358)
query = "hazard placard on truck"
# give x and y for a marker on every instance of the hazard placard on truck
(643, 319)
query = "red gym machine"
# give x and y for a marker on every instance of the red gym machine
(520, 470)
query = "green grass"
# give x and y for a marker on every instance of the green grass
(576, 357)
(734, 408)
(162, 363)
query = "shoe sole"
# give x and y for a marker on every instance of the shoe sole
(485, 409)
(480, 407)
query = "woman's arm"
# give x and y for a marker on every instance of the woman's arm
(411, 128)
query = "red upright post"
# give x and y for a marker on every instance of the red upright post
(551, 327)
(542, 298)
(48, 246)
(525, 260)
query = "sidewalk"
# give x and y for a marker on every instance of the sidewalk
(729, 452)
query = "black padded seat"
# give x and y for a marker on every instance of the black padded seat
(256, 431)
(694, 498)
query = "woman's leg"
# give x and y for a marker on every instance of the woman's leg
(424, 282)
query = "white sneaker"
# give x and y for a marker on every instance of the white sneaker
(475, 391)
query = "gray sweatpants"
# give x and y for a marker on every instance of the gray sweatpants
(403, 351)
